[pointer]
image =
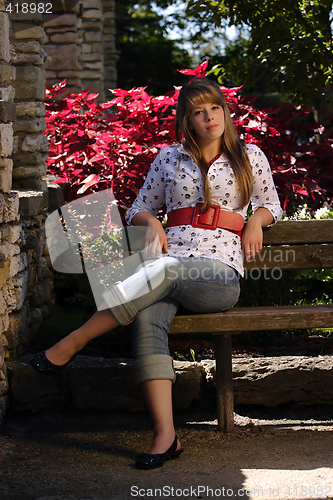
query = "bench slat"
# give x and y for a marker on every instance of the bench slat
(295, 231)
(283, 233)
(293, 257)
(255, 318)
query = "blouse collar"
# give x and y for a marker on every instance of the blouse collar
(181, 149)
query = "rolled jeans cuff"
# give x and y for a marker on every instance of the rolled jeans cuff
(119, 304)
(152, 367)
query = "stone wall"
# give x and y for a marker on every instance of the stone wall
(91, 57)
(25, 280)
(63, 47)
(10, 230)
(28, 57)
(81, 47)
(110, 53)
(108, 384)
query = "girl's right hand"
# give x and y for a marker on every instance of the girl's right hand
(156, 241)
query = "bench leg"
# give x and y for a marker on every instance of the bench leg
(224, 392)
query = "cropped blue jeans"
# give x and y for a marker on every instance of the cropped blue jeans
(150, 298)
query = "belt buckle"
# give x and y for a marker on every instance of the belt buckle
(196, 217)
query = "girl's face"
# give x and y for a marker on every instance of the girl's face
(207, 119)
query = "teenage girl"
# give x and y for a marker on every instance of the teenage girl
(206, 181)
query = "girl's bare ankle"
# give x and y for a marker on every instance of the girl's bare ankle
(162, 441)
(60, 354)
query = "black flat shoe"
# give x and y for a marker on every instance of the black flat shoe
(44, 365)
(175, 454)
(153, 461)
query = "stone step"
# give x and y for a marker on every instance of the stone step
(108, 384)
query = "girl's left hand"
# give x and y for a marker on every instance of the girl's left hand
(252, 238)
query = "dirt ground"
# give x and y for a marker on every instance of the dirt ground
(70, 455)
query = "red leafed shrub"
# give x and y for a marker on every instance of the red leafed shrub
(302, 167)
(98, 146)
(94, 147)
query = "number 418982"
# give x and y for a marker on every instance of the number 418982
(27, 8)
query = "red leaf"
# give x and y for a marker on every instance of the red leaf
(96, 158)
(91, 97)
(198, 71)
(301, 191)
(61, 180)
(87, 183)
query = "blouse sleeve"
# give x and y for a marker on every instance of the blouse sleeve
(152, 194)
(264, 192)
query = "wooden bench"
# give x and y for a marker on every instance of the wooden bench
(289, 245)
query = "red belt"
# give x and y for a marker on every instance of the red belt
(212, 219)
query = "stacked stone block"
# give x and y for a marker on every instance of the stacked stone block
(25, 280)
(91, 58)
(80, 44)
(29, 154)
(10, 230)
(108, 384)
(63, 47)
(30, 145)
(111, 55)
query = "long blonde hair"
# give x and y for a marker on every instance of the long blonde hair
(202, 90)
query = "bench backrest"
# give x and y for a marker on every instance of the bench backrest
(296, 244)
(288, 244)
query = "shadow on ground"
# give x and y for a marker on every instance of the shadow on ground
(89, 455)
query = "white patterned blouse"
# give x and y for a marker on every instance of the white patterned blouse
(175, 180)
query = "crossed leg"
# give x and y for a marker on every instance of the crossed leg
(157, 393)
(101, 322)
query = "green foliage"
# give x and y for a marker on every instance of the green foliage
(147, 56)
(183, 358)
(290, 45)
(293, 288)
(180, 356)
(233, 68)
